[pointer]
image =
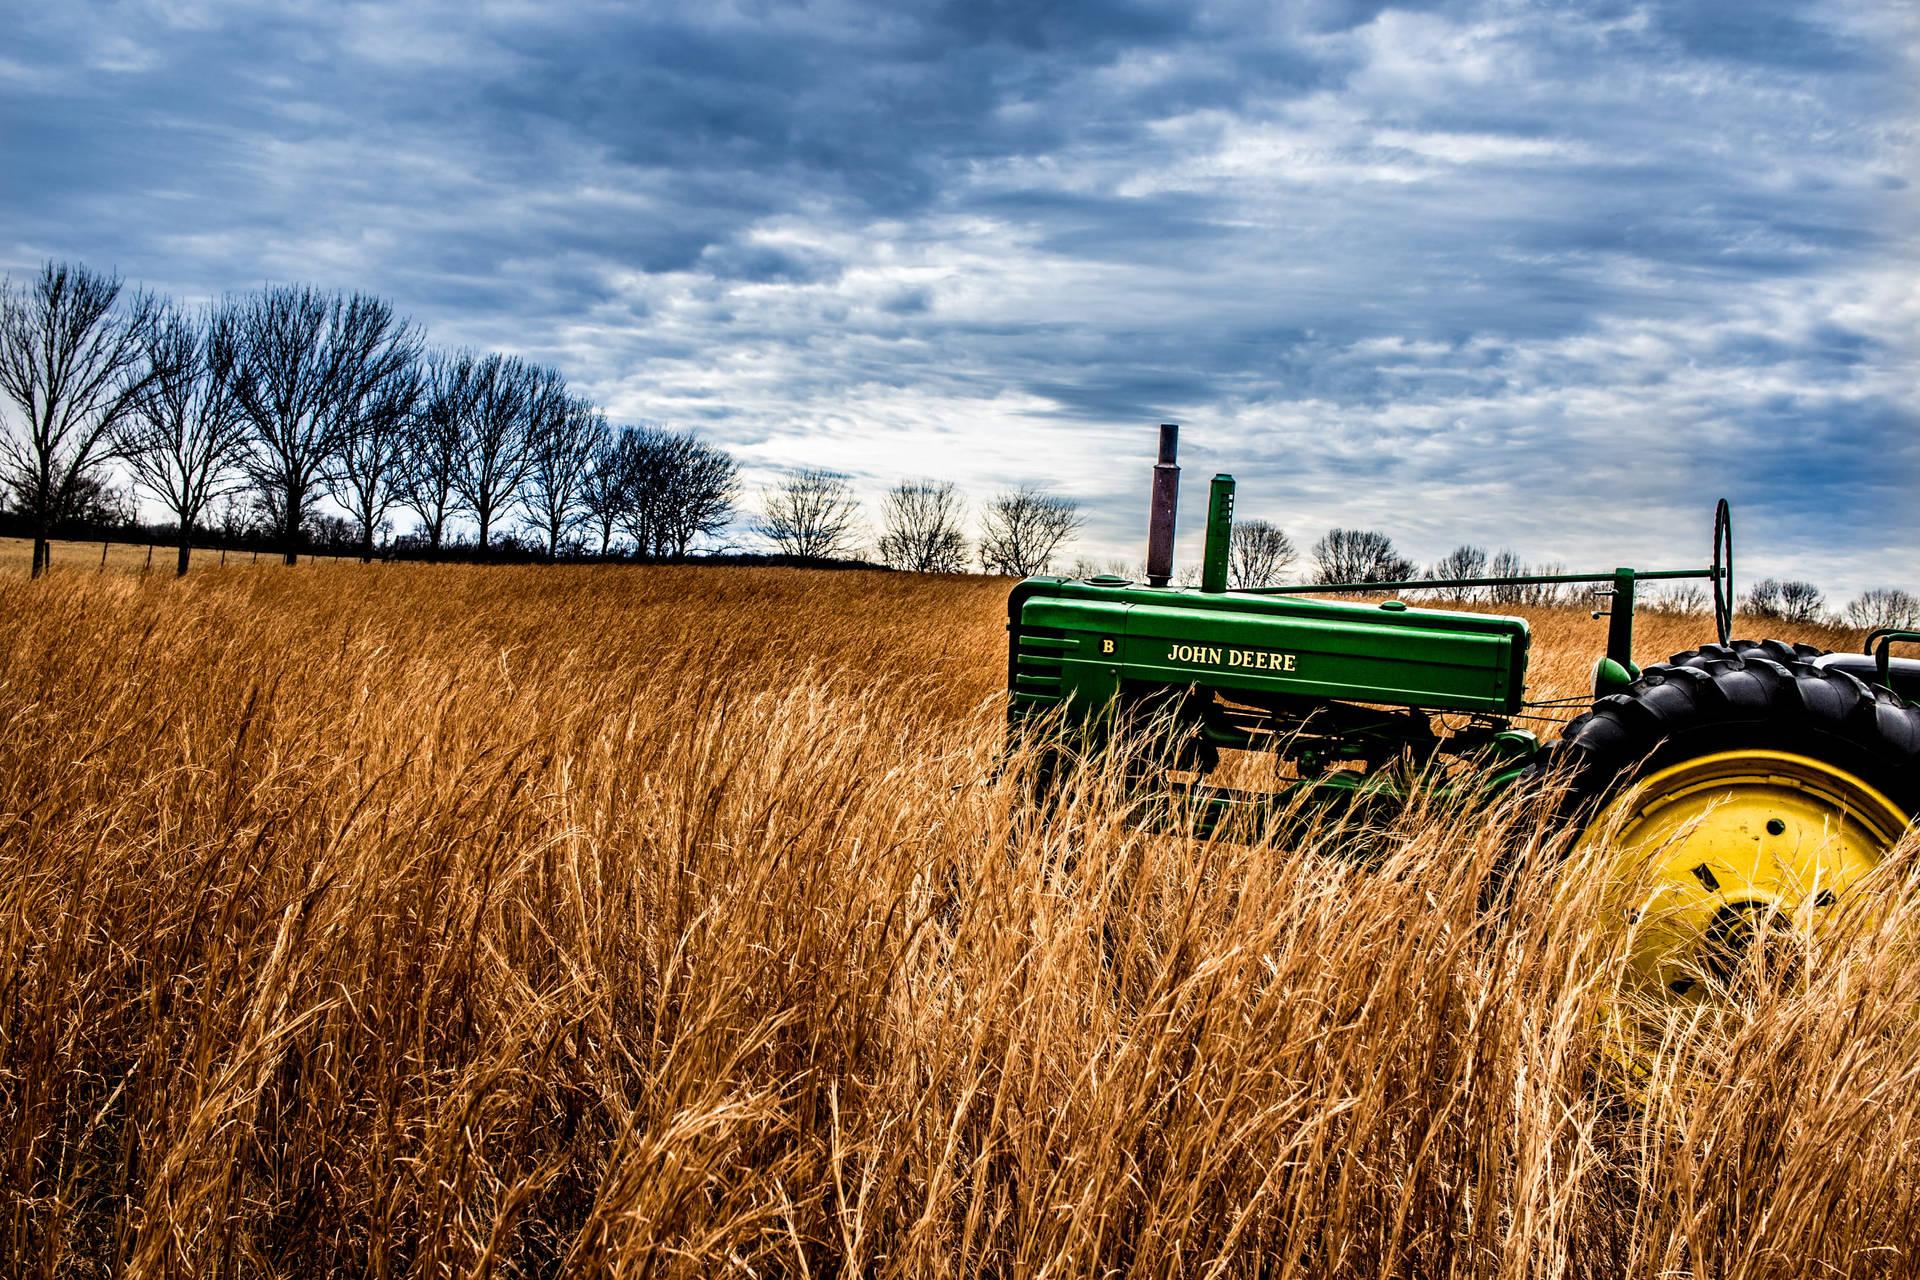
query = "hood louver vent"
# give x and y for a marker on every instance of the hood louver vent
(1036, 665)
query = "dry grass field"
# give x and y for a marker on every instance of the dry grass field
(665, 922)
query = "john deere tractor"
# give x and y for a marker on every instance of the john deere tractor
(1763, 777)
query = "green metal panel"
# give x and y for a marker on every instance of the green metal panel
(1082, 640)
(1056, 640)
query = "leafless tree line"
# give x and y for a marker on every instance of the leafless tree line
(292, 393)
(1790, 601)
(660, 488)
(814, 514)
(1794, 600)
(1261, 554)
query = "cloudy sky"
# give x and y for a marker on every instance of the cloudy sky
(1545, 276)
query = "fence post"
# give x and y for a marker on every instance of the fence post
(103, 552)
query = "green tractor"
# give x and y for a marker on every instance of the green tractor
(1761, 778)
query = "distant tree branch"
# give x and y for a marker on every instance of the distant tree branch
(810, 513)
(1258, 554)
(1359, 555)
(187, 436)
(309, 364)
(1023, 529)
(922, 527)
(74, 363)
(567, 437)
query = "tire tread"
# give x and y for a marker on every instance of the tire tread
(1762, 693)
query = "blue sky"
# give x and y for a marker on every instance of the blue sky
(1544, 276)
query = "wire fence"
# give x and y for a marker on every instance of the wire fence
(248, 555)
(144, 555)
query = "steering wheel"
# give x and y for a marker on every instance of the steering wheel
(1723, 571)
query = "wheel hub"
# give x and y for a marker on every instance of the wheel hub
(1748, 943)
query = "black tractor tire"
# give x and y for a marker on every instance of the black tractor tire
(1747, 695)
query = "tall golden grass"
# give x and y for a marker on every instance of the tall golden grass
(667, 922)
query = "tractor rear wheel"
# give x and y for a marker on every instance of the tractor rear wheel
(1753, 788)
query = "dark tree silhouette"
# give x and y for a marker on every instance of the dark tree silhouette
(1464, 561)
(501, 408)
(563, 447)
(692, 494)
(606, 493)
(1884, 607)
(73, 360)
(1258, 553)
(810, 513)
(677, 488)
(1359, 555)
(1790, 601)
(1023, 529)
(309, 362)
(434, 445)
(922, 527)
(368, 472)
(1508, 564)
(187, 437)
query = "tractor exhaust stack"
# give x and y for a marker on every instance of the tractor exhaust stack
(1166, 498)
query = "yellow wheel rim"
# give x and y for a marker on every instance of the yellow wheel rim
(1740, 848)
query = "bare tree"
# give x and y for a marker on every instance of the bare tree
(1258, 554)
(97, 500)
(662, 488)
(1802, 602)
(1763, 599)
(73, 359)
(652, 465)
(1508, 564)
(1464, 561)
(186, 437)
(606, 493)
(1884, 607)
(702, 482)
(309, 361)
(368, 473)
(1117, 566)
(434, 445)
(1023, 529)
(1551, 593)
(234, 515)
(1359, 555)
(559, 462)
(922, 532)
(1790, 601)
(500, 409)
(1678, 598)
(810, 513)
